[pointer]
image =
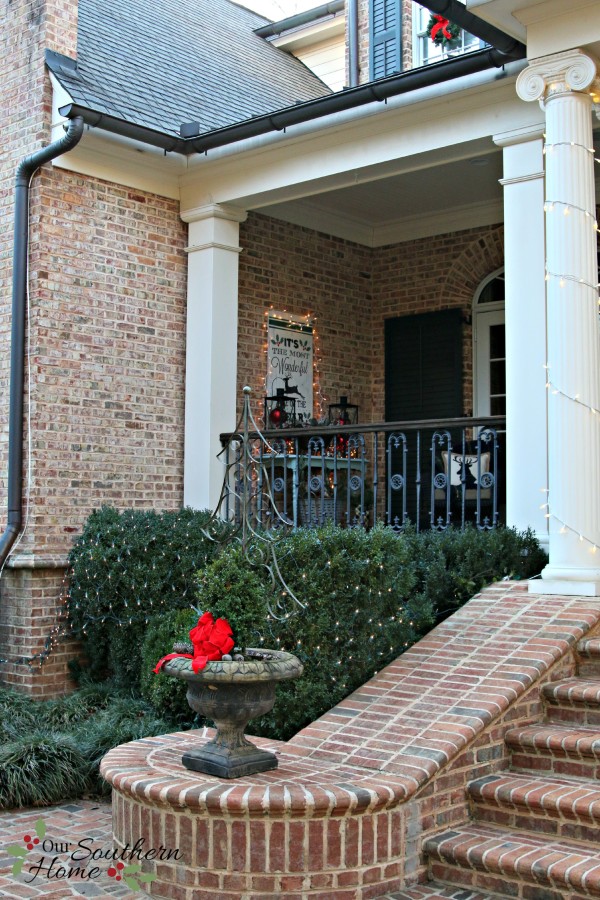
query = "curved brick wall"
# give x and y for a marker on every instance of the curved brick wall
(356, 793)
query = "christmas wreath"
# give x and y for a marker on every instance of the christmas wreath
(442, 31)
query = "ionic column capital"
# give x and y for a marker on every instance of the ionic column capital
(560, 73)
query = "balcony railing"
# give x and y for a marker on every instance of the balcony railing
(430, 473)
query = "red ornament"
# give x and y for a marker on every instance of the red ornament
(277, 416)
(341, 444)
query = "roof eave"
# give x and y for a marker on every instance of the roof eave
(310, 110)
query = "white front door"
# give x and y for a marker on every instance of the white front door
(490, 363)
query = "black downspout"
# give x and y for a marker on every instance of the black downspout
(26, 169)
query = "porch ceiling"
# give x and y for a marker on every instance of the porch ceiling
(449, 196)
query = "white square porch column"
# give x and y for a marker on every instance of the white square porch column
(211, 347)
(525, 317)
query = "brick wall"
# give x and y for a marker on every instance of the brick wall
(407, 34)
(364, 73)
(107, 333)
(108, 286)
(302, 271)
(29, 614)
(28, 598)
(108, 354)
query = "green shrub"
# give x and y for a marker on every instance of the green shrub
(125, 568)
(454, 565)
(355, 587)
(367, 597)
(124, 719)
(164, 693)
(233, 589)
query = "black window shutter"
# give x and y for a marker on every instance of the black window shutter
(423, 380)
(385, 45)
(423, 366)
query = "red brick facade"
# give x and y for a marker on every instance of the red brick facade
(302, 271)
(426, 275)
(107, 343)
(107, 328)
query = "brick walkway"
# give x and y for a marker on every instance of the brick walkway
(80, 820)
(359, 792)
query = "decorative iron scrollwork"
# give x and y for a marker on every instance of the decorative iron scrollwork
(397, 482)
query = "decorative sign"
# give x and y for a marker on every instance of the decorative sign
(290, 361)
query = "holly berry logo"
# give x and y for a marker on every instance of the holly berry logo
(131, 875)
(30, 843)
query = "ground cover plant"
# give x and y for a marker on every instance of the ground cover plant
(51, 750)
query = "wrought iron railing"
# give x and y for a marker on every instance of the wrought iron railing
(430, 473)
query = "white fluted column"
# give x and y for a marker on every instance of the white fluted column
(525, 312)
(563, 83)
(211, 347)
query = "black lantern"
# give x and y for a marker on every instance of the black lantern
(279, 410)
(343, 413)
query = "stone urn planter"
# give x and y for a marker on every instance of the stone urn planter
(232, 692)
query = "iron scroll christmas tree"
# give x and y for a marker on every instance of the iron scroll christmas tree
(246, 484)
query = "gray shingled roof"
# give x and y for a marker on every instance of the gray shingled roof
(159, 64)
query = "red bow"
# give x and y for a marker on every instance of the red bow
(210, 639)
(441, 25)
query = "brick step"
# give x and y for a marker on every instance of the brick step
(556, 749)
(574, 700)
(566, 809)
(589, 657)
(513, 864)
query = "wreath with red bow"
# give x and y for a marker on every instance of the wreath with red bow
(442, 31)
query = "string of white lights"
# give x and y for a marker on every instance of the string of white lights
(309, 320)
(564, 278)
(568, 208)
